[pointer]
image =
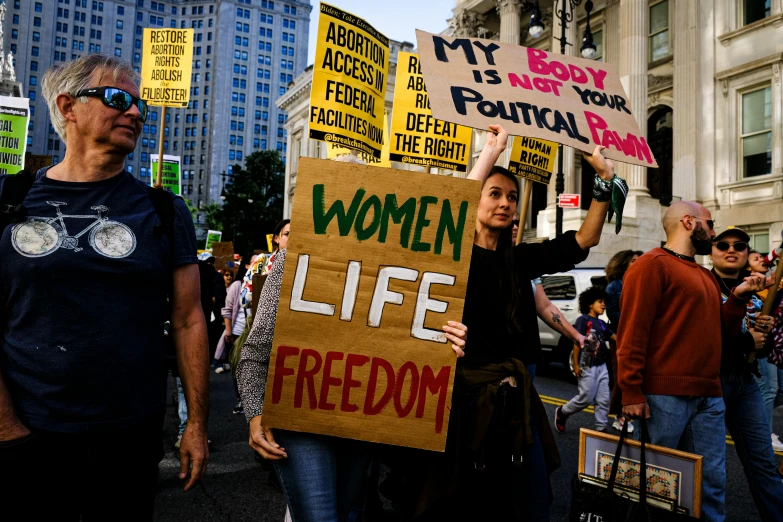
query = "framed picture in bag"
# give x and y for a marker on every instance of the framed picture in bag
(671, 474)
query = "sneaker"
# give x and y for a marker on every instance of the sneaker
(219, 369)
(776, 444)
(238, 408)
(560, 420)
(179, 442)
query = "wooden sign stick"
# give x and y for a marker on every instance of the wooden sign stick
(159, 179)
(525, 206)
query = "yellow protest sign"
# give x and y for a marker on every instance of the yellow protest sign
(334, 150)
(166, 67)
(533, 159)
(417, 137)
(349, 82)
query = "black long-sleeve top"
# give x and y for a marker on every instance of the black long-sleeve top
(487, 298)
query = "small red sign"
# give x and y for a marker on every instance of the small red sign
(569, 201)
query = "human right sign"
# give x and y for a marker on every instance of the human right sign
(576, 102)
(378, 264)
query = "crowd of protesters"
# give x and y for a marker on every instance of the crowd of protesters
(83, 373)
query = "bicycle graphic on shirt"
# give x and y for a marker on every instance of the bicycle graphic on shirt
(40, 236)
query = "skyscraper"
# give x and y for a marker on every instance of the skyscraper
(245, 54)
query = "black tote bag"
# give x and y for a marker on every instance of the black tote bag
(592, 501)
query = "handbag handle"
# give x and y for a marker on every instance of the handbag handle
(642, 463)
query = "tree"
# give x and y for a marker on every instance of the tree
(262, 182)
(212, 220)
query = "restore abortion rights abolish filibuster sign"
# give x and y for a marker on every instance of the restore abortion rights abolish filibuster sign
(379, 262)
(568, 100)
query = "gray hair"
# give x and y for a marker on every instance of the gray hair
(75, 76)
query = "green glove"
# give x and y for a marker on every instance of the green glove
(615, 191)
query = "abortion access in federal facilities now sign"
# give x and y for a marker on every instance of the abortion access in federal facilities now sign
(377, 263)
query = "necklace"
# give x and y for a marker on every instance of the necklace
(723, 283)
(677, 254)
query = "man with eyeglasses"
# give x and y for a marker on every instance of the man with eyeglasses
(668, 362)
(746, 417)
(88, 268)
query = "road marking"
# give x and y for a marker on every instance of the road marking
(560, 402)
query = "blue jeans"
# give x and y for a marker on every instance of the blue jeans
(747, 424)
(695, 425)
(771, 385)
(323, 477)
(182, 407)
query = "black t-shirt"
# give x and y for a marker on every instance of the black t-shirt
(85, 282)
(488, 295)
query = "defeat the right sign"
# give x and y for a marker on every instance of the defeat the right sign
(573, 101)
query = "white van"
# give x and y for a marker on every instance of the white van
(563, 290)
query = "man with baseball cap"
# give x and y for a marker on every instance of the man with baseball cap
(746, 417)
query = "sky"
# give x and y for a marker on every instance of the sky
(396, 19)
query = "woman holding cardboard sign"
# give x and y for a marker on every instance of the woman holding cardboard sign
(496, 412)
(323, 477)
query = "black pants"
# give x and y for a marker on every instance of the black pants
(84, 477)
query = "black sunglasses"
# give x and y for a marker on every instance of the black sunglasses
(515, 223)
(117, 99)
(739, 246)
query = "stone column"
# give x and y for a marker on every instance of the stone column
(612, 34)
(510, 20)
(686, 71)
(634, 55)
(466, 23)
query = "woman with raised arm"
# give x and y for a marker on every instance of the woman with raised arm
(500, 445)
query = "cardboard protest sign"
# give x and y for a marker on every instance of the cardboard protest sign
(349, 82)
(417, 137)
(334, 150)
(533, 159)
(213, 236)
(223, 254)
(165, 67)
(377, 264)
(573, 101)
(171, 172)
(14, 115)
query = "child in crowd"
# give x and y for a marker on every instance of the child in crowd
(590, 363)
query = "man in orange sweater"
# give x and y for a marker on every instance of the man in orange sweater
(669, 346)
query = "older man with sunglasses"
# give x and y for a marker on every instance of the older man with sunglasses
(87, 276)
(746, 417)
(672, 326)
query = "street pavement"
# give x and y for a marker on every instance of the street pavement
(236, 486)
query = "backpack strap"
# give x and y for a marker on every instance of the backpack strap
(15, 189)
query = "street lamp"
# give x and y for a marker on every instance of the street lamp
(536, 23)
(588, 51)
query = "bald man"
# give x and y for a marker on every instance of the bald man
(672, 326)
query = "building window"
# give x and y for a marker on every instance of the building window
(756, 135)
(598, 40)
(754, 10)
(659, 31)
